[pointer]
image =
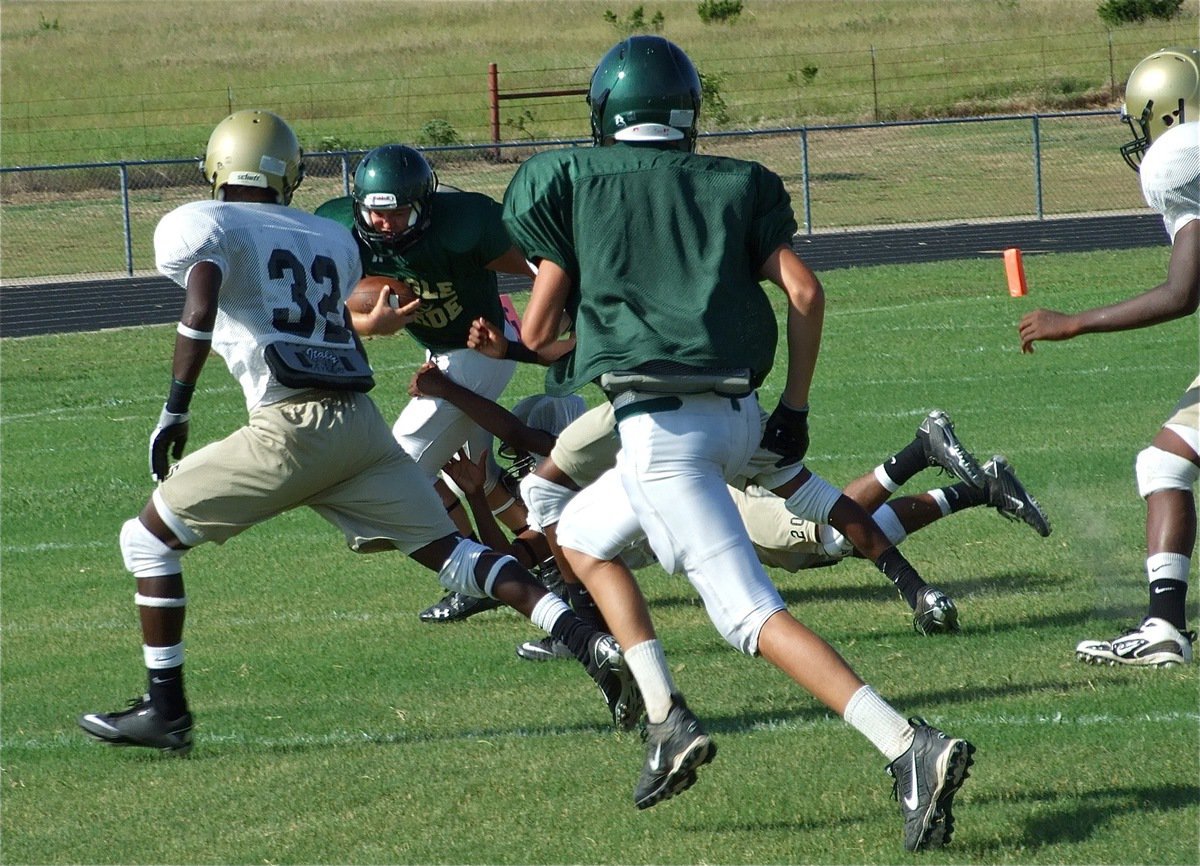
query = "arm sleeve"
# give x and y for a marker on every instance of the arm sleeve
(184, 238)
(774, 219)
(537, 213)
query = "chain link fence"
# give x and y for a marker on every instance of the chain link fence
(97, 220)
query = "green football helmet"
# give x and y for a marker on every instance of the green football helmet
(645, 89)
(254, 148)
(1163, 91)
(390, 177)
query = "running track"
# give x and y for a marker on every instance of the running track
(91, 305)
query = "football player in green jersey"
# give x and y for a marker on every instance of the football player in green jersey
(657, 254)
(449, 245)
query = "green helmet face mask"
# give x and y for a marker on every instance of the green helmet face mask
(1163, 91)
(645, 89)
(390, 177)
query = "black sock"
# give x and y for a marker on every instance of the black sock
(582, 603)
(575, 633)
(1167, 598)
(906, 463)
(905, 578)
(962, 495)
(166, 692)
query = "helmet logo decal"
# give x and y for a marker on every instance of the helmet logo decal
(682, 117)
(381, 201)
(619, 119)
(248, 178)
(272, 165)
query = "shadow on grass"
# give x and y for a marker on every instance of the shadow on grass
(1076, 819)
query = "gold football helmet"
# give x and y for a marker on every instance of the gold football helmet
(1163, 91)
(254, 148)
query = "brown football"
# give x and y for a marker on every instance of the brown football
(366, 292)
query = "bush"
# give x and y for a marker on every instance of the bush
(438, 132)
(636, 22)
(1114, 13)
(713, 105)
(719, 11)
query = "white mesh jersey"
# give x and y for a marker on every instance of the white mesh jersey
(1170, 173)
(285, 274)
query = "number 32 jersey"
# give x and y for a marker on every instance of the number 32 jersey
(284, 272)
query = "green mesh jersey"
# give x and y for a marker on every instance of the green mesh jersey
(664, 250)
(447, 265)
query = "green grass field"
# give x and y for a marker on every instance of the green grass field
(334, 727)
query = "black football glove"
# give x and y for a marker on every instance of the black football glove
(169, 437)
(787, 434)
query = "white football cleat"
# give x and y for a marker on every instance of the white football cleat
(1155, 643)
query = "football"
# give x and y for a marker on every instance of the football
(366, 292)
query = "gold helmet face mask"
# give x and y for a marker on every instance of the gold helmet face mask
(1163, 91)
(254, 148)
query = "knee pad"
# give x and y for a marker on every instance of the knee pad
(1162, 470)
(458, 571)
(544, 500)
(814, 500)
(833, 543)
(144, 554)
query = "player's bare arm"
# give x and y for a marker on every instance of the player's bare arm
(198, 318)
(193, 342)
(429, 381)
(540, 326)
(805, 320)
(487, 339)
(512, 262)
(1175, 298)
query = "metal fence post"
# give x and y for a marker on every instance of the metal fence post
(804, 181)
(874, 84)
(1037, 167)
(127, 224)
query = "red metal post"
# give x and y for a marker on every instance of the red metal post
(494, 102)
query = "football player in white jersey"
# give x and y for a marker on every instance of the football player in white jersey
(264, 285)
(1162, 107)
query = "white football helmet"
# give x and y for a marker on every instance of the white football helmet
(1163, 91)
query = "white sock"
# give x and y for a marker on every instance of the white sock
(1168, 566)
(649, 667)
(939, 497)
(874, 718)
(885, 480)
(547, 611)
